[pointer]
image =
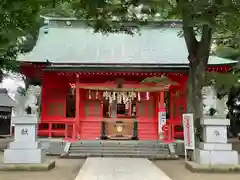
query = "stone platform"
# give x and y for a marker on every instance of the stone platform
(205, 168)
(45, 166)
(120, 168)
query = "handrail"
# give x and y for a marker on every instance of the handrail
(168, 130)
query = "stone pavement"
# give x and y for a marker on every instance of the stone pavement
(176, 171)
(120, 169)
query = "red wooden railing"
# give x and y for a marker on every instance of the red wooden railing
(169, 131)
(69, 131)
(71, 134)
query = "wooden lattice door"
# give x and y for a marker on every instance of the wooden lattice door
(178, 101)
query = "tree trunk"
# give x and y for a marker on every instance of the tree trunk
(198, 51)
(194, 95)
(195, 83)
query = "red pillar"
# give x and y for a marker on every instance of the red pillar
(77, 115)
(171, 115)
(101, 102)
(161, 105)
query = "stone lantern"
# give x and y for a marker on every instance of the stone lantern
(6, 105)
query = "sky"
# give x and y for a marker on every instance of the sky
(11, 83)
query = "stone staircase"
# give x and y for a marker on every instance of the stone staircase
(114, 148)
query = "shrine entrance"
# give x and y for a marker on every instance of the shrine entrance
(119, 115)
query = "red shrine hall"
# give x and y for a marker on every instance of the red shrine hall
(110, 87)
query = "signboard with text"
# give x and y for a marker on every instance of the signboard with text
(188, 128)
(161, 120)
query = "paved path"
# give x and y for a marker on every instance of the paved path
(120, 169)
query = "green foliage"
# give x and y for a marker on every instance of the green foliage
(222, 82)
(58, 9)
(227, 52)
(20, 22)
(228, 45)
(221, 15)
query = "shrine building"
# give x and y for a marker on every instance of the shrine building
(97, 86)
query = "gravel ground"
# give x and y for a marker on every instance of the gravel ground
(66, 169)
(176, 170)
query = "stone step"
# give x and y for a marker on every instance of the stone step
(117, 148)
(120, 151)
(119, 143)
(145, 155)
(121, 148)
(124, 152)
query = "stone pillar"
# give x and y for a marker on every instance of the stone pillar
(24, 149)
(215, 149)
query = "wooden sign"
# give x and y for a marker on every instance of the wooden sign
(188, 128)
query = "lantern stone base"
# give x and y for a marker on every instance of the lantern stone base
(216, 157)
(45, 166)
(206, 168)
(26, 156)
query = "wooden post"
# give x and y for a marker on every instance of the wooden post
(161, 105)
(114, 109)
(171, 105)
(130, 110)
(156, 105)
(77, 114)
(101, 104)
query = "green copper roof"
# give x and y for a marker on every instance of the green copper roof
(5, 99)
(76, 44)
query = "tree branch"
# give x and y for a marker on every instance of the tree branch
(188, 30)
(190, 38)
(206, 41)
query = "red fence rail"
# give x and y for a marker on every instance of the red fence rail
(69, 130)
(71, 134)
(170, 132)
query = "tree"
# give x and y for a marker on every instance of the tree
(20, 22)
(233, 105)
(203, 18)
